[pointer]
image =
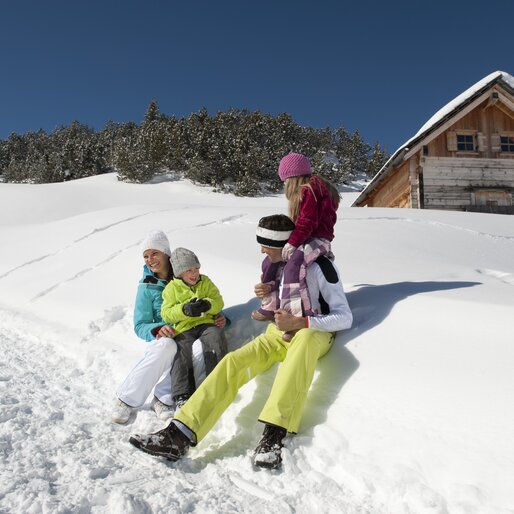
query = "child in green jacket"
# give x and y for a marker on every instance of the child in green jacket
(191, 303)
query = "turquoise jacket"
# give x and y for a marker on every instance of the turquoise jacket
(147, 309)
(178, 293)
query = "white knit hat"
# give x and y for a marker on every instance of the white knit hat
(156, 240)
(183, 259)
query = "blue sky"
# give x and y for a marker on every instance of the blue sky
(381, 67)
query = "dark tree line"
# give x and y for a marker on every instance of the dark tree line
(237, 150)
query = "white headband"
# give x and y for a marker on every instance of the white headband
(272, 238)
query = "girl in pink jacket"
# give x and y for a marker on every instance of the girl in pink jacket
(313, 204)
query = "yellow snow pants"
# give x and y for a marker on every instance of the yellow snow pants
(286, 401)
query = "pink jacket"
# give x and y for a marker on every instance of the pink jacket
(317, 214)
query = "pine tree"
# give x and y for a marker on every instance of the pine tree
(201, 171)
(352, 152)
(17, 171)
(174, 152)
(152, 113)
(127, 165)
(377, 160)
(326, 164)
(4, 156)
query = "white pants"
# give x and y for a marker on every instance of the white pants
(153, 372)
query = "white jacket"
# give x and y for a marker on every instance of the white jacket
(327, 297)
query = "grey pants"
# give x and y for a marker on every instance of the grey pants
(214, 344)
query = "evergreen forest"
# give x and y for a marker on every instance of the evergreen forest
(235, 151)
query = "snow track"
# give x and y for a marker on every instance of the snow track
(93, 232)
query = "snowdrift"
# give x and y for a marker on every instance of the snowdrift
(410, 412)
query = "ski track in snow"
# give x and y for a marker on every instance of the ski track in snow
(433, 223)
(85, 271)
(125, 220)
(82, 238)
(59, 453)
(502, 276)
(228, 219)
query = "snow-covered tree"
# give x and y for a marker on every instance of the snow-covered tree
(152, 113)
(376, 160)
(234, 150)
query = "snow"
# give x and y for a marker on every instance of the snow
(458, 100)
(411, 411)
(450, 106)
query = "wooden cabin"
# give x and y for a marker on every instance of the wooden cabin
(461, 159)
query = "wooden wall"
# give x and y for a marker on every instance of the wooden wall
(394, 191)
(451, 183)
(487, 119)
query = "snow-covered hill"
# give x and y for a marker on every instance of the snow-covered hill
(411, 412)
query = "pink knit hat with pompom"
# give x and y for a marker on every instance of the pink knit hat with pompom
(294, 165)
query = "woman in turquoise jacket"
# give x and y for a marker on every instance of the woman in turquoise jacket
(152, 371)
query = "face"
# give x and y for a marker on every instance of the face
(275, 254)
(157, 261)
(191, 276)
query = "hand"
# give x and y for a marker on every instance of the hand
(286, 321)
(166, 331)
(287, 252)
(196, 307)
(262, 290)
(220, 320)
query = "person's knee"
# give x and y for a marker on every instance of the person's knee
(303, 340)
(197, 350)
(212, 331)
(302, 337)
(212, 339)
(166, 346)
(311, 341)
(229, 362)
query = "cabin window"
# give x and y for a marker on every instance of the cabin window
(507, 144)
(465, 143)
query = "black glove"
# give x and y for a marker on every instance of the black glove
(196, 307)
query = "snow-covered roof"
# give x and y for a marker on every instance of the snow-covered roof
(442, 114)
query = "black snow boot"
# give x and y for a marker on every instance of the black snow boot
(268, 453)
(180, 400)
(169, 443)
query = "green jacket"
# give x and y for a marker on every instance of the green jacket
(177, 293)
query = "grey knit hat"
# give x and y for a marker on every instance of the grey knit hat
(183, 259)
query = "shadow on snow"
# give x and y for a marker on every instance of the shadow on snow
(370, 305)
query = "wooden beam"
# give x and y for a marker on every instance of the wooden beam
(505, 110)
(506, 100)
(413, 173)
(492, 101)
